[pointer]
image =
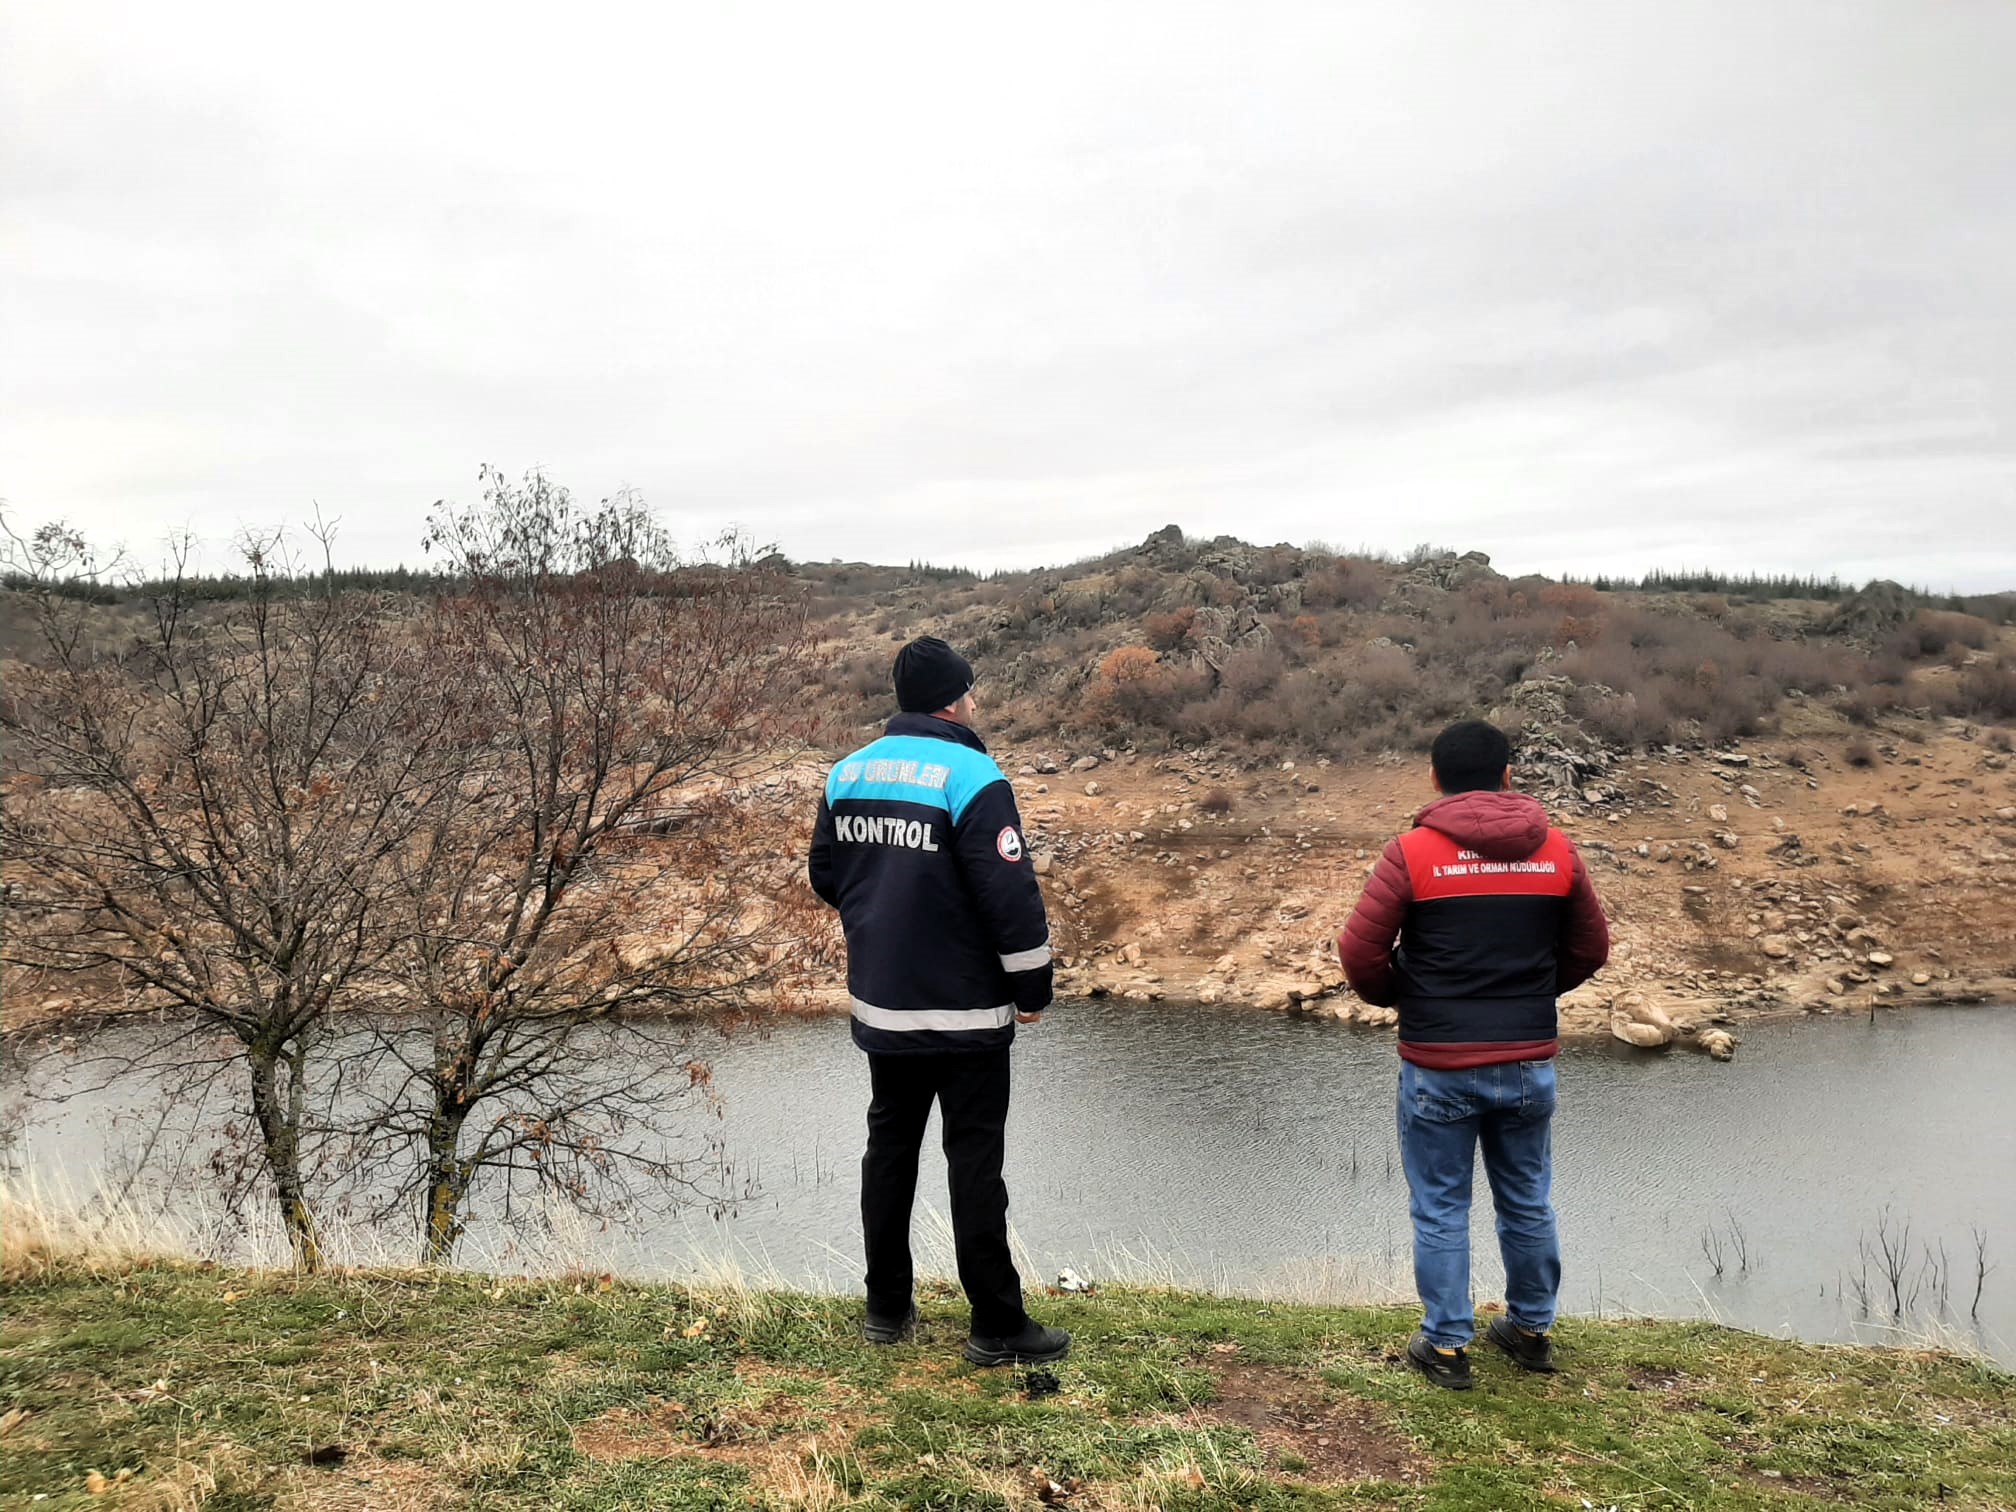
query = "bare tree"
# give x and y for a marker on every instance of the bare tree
(610, 859)
(1711, 1250)
(1740, 1241)
(1893, 1256)
(201, 817)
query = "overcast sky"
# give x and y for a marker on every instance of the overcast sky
(1595, 287)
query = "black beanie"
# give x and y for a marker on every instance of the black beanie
(930, 676)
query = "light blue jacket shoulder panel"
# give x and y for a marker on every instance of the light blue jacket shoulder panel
(913, 769)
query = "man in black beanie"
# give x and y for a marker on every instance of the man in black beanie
(919, 845)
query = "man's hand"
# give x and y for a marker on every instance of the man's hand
(1030, 1018)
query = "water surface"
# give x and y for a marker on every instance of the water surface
(1256, 1152)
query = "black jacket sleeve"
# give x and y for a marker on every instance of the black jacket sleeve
(994, 860)
(821, 866)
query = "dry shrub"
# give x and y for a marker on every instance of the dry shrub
(1860, 753)
(1621, 720)
(2001, 740)
(1217, 801)
(1347, 583)
(1868, 705)
(1578, 600)
(1165, 632)
(1375, 700)
(1934, 632)
(1136, 691)
(1126, 665)
(1253, 672)
(1982, 691)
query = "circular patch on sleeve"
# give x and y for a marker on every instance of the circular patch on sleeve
(1009, 843)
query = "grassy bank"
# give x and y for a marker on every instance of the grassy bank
(178, 1386)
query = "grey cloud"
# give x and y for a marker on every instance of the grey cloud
(1591, 287)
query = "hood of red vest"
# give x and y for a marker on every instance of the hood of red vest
(1499, 825)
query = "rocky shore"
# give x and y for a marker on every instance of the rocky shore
(1743, 884)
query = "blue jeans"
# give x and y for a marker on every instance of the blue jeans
(1444, 1117)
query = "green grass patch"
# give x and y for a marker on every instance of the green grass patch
(219, 1390)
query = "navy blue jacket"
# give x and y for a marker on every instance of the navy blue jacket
(920, 847)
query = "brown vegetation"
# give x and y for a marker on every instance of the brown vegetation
(1180, 643)
(531, 811)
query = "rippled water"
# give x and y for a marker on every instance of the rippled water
(1257, 1152)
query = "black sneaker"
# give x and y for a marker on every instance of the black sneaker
(1529, 1351)
(1449, 1368)
(889, 1330)
(1035, 1345)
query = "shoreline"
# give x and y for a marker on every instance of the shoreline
(1581, 1023)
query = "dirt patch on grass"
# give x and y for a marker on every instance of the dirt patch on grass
(784, 1417)
(1802, 1485)
(656, 1430)
(799, 1468)
(1310, 1430)
(1652, 1378)
(368, 1485)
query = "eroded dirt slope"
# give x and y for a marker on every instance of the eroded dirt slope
(1740, 884)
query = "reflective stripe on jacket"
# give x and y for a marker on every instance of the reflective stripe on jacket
(920, 847)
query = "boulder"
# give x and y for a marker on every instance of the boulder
(1777, 946)
(1093, 790)
(1637, 1021)
(1644, 1036)
(1639, 1010)
(1719, 1043)
(1873, 613)
(1880, 958)
(1085, 763)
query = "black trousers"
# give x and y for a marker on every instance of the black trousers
(972, 1095)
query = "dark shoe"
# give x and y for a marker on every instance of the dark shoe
(1529, 1351)
(1449, 1368)
(1035, 1345)
(889, 1330)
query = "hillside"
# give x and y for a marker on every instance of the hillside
(1789, 803)
(1794, 795)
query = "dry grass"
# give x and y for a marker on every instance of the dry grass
(42, 1230)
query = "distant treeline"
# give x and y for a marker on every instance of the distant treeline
(1747, 585)
(223, 587)
(1753, 587)
(1761, 587)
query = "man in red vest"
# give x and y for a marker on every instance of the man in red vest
(1471, 924)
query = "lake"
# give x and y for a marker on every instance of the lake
(1256, 1152)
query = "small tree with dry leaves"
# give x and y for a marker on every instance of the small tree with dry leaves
(201, 822)
(611, 860)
